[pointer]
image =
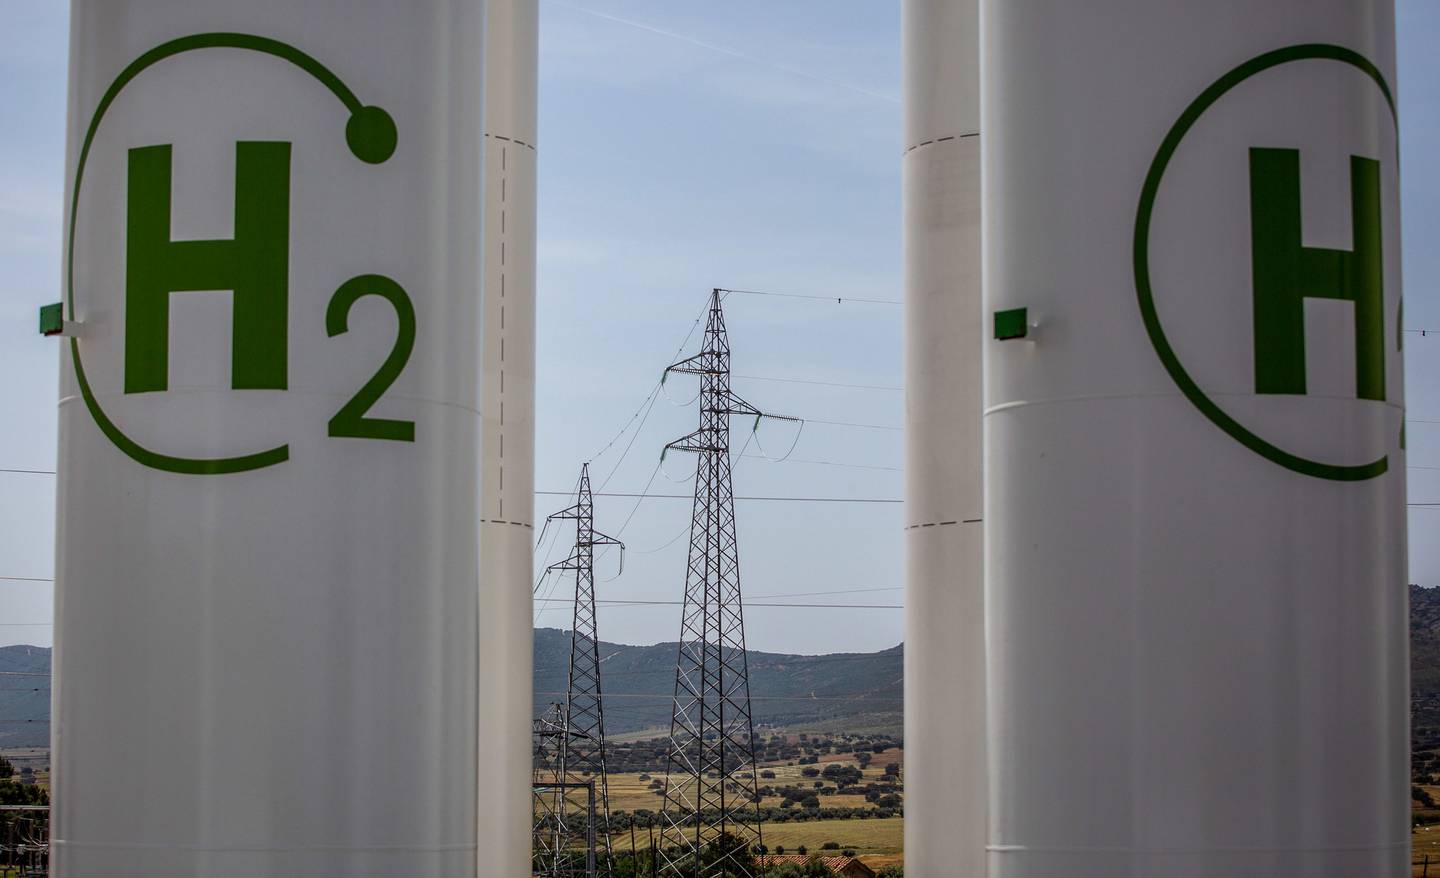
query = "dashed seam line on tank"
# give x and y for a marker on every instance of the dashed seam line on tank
(943, 523)
(910, 149)
(512, 140)
(504, 178)
(504, 231)
(502, 521)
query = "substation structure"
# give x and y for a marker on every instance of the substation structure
(555, 833)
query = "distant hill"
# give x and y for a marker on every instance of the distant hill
(24, 700)
(848, 692)
(1424, 680)
(852, 692)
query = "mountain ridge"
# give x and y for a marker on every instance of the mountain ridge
(837, 691)
(854, 692)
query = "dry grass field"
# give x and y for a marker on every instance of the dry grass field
(628, 792)
(878, 841)
(1425, 840)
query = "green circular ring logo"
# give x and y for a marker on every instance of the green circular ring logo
(371, 137)
(1177, 133)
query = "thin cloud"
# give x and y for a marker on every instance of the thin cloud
(725, 50)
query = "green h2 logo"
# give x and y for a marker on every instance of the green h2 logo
(1283, 272)
(1286, 273)
(254, 265)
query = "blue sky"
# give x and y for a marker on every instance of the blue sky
(683, 146)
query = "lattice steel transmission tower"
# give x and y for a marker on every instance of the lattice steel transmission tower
(581, 757)
(711, 815)
(548, 840)
(554, 837)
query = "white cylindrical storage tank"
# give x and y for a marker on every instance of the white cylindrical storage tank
(270, 424)
(945, 798)
(507, 471)
(1195, 497)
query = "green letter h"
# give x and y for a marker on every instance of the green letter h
(254, 266)
(1285, 273)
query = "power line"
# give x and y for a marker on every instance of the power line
(853, 424)
(648, 401)
(836, 299)
(649, 697)
(643, 414)
(808, 660)
(806, 594)
(820, 383)
(892, 469)
(622, 602)
(663, 546)
(645, 494)
(755, 498)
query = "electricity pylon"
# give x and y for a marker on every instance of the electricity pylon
(548, 840)
(582, 747)
(710, 821)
